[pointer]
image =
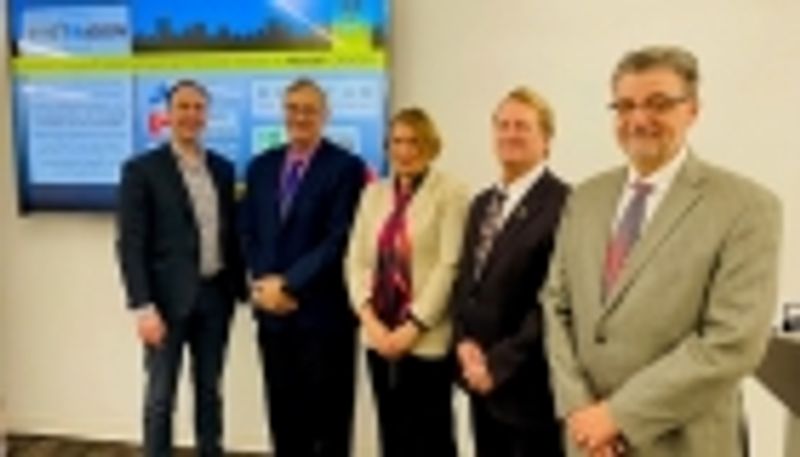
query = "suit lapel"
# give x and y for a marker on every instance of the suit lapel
(598, 227)
(420, 201)
(683, 195)
(173, 175)
(525, 212)
(272, 185)
(220, 187)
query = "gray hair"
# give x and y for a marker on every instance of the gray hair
(305, 82)
(677, 59)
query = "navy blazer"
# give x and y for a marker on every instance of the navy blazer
(158, 241)
(307, 246)
(501, 310)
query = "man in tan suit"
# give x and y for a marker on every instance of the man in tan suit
(663, 284)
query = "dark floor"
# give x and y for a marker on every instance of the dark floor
(48, 446)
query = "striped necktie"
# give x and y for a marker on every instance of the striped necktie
(289, 183)
(490, 226)
(626, 234)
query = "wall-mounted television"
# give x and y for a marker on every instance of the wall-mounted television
(90, 79)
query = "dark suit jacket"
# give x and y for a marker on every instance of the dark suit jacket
(158, 241)
(307, 246)
(501, 311)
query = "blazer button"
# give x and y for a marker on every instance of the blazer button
(600, 338)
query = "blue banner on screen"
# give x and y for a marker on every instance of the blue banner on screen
(91, 76)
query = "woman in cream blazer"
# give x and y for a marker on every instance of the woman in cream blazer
(400, 266)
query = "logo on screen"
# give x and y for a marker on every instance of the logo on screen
(157, 120)
(60, 31)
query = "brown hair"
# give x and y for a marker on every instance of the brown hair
(421, 123)
(530, 98)
(186, 84)
(305, 82)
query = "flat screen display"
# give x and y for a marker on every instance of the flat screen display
(90, 79)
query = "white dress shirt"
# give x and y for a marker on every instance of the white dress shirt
(517, 189)
(660, 180)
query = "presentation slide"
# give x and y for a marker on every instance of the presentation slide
(91, 78)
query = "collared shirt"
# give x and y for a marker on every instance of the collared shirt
(516, 189)
(660, 180)
(205, 205)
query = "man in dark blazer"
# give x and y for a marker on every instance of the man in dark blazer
(181, 266)
(296, 217)
(498, 320)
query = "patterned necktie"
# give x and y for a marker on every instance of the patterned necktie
(626, 234)
(290, 181)
(392, 283)
(490, 226)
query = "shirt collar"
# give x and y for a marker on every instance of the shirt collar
(180, 155)
(662, 178)
(521, 184)
(294, 154)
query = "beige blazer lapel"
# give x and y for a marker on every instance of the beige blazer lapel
(683, 195)
(421, 207)
(420, 204)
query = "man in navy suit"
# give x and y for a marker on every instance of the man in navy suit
(182, 268)
(296, 217)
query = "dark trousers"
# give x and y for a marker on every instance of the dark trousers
(414, 398)
(310, 385)
(205, 331)
(494, 438)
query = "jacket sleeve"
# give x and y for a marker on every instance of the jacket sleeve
(234, 254)
(570, 386)
(360, 258)
(133, 235)
(249, 236)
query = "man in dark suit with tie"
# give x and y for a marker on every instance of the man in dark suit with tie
(498, 319)
(182, 268)
(296, 217)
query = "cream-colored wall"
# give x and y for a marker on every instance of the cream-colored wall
(68, 358)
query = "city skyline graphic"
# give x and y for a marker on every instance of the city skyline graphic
(213, 25)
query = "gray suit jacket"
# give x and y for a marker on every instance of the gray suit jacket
(687, 320)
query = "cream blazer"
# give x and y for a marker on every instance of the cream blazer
(435, 218)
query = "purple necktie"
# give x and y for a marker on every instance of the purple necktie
(626, 234)
(289, 183)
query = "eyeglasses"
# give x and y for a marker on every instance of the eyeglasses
(300, 109)
(657, 104)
